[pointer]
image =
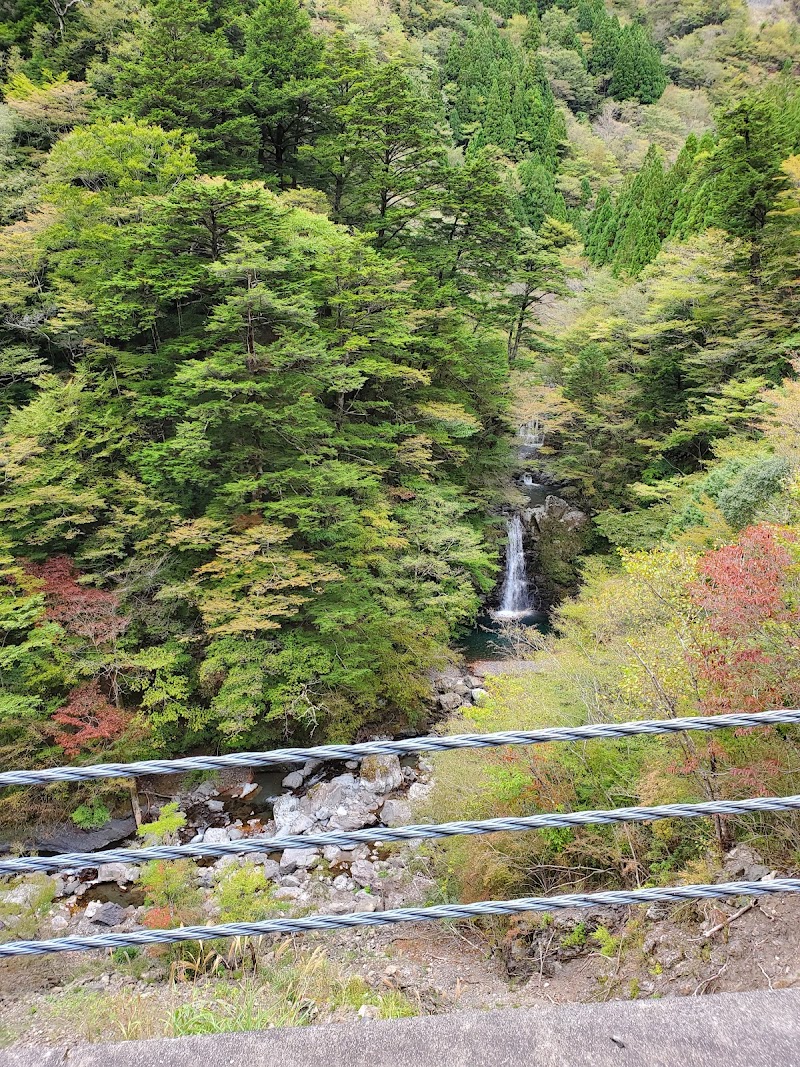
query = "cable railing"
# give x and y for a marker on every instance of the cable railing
(77, 861)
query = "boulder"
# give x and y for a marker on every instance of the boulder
(115, 872)
(67, 838)
(294, 858)
(335, 856)
(353, 818)
(743, 861)
(204, 790)
(364, 902)
(216, 835)
(419, 791)
(555, 509)
(381, 774)
(396, 812)
(293, 780)
(272, 870)
(478, 695)
(446, 679)
(363, 872)
(285, 810)
(327, 795)
(22, 896)
(289, 892)
(450, 701)
(108, 914)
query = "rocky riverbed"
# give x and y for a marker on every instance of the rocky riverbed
(316, 798)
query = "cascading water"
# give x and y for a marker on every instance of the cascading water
(515, 600)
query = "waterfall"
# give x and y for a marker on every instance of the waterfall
(531, 436)
(515, 599)
(527, 479)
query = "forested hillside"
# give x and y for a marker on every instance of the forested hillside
(281, 281)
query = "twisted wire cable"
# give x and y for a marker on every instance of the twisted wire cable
(398, 748)
(71, 861)
(137, 938)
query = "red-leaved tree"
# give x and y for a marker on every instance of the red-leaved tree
(748, 647)
(83, 610)
(747, 655)
(87, 718)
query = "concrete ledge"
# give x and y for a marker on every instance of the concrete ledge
(759, 1029)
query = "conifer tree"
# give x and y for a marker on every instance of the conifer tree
(532, 36)
(606, 41)
(597, 245)
(650, 77)
(744, 169)
(623, 73)
(281, 73)
(637, 72)
(498, 125)
(180, 74)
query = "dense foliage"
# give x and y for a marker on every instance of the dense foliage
(278, 279)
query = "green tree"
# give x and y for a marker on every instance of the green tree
(281, 73)
(179, 73)
(537, 274)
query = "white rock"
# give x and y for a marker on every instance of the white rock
(215, 805)
(59, 922)
(419, 791)
(92, 908)
(285, 810)
(363, 872)
(364, 902)
(112, 872)
(21, 896)
(396, 812)
(334, 855)
(354, 819)
(288, 892)
(293, 858)
(234, 834)
(205, 789)
(303, 823)
(310, 766)
(216, 835)
(342, 882)
(293, 780)
(381, 774)
(478, 696)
